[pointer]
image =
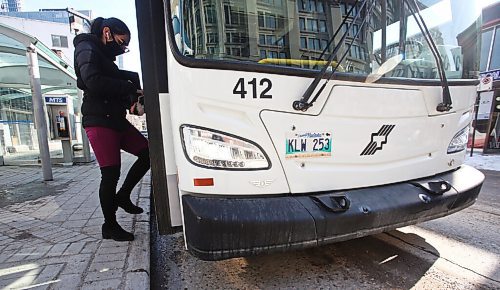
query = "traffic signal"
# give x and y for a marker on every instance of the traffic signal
(497, 104)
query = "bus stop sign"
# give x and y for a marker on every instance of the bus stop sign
(486, 84)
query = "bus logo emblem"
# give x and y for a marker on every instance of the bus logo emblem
(378, 140)
(261, 183)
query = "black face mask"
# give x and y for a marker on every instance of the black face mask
(113, 49)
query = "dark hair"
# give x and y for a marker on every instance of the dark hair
(115, 25)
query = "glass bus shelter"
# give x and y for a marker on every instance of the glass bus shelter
(18, 135)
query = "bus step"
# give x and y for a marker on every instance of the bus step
(433, 187)
(333, 203)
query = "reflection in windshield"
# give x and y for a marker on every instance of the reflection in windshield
(296, 34)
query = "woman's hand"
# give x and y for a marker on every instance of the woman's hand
(137, 108)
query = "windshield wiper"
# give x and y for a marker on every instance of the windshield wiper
(303, 104)
(445, 106)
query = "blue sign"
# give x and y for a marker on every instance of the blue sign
(495, 74)
(55, 100)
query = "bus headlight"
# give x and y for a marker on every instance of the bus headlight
(217, 150)
(459, 141)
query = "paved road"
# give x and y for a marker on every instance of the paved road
(461, 251)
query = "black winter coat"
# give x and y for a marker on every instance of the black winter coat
(107, 89)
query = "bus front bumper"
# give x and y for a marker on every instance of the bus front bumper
(225, 227)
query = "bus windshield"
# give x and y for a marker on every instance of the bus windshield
(302, 34)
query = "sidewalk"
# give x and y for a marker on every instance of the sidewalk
(50, 233)
(483, 161)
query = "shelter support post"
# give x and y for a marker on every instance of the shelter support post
(39, 112)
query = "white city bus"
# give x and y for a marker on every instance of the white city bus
(284, 124)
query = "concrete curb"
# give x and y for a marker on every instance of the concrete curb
(138, 263)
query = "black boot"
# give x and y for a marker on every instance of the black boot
(114, 231)
(135, 174)
(123, 201)
(111, 229)
(107, 192)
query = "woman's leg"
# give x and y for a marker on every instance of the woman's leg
(106, 145)
(109, 179)
(134, 143)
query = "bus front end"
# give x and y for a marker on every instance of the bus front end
(299, 123)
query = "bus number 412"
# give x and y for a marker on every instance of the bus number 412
(265, 86)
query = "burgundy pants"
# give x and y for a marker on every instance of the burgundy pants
(107, 143)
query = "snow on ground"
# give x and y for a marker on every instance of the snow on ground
(483, 161)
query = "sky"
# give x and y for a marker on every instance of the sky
(122, 9)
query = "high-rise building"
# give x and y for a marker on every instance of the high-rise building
(51, 26)
(51, 15)
(11, 5)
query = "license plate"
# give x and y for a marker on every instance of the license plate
(309, 145)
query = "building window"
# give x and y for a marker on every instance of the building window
(352, 30)
(197, 17)
(210, 14)
(263, 54)
(273, 54)
(270, 21)
(355, 29)
(305, 61)
(262, 39)
(261, 19)
(320, 7)
(324, 44)
(344, 8)
(236, 37)
(199, 40)
(270, 39)
(302, 4)
(272, 2)
(233, 16)
(322, 26)
(59, 41)
(312, 25)
(212, 38)
(314, 44)
(303, 43)
(280, 42)
(236, 51)
(311, 5)
(302, 24)
(357, 52)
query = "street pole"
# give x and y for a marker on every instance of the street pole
(39, 112)
(476, 109)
